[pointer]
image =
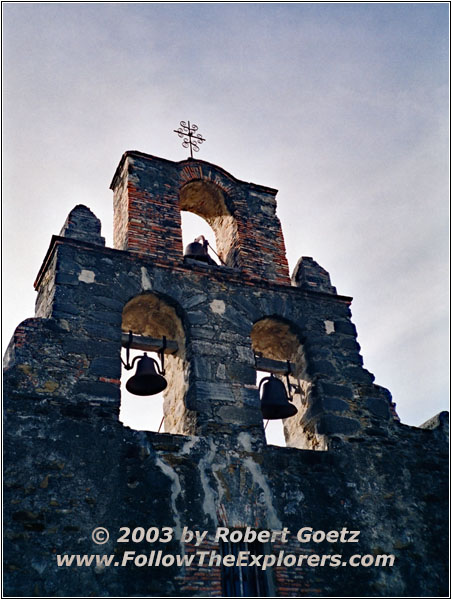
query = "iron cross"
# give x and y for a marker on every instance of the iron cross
(192, 138)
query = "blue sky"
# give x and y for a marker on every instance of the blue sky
(341, 107)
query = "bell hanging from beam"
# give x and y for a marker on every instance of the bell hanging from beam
(199, 251)
(146, 381)
(274, 401)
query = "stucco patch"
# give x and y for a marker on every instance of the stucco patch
(218, 307)
(87, 276)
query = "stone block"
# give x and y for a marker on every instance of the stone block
(194, 300)
(197, 317)
(65, 309)
(82, 224)
(66, 278)
(357, 375)
(106, 367)
(101, 331)
(350, 344)
(335, 404)
(241, 373)
(352, 357)
(111, 303)
(237, 321)
(345, 327)
(65, 263)
(330, 424)
(309, 275)
(333, 389)
(439, 421)
(109, 317)
(324, 367)
(240, 415)
(97, 388)
(378, 407)
(214, 391)
(202, 368)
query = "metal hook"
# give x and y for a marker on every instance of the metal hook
(127, 364)
(161, 353)
(256, 356)
(289, 385)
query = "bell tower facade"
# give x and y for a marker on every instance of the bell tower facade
(149, 194)
(246, 312)
(72, 466)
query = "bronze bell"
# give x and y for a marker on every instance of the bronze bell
(146, 381)
(274, 401)
(197, 251)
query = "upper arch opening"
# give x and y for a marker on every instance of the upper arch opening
(208, 201)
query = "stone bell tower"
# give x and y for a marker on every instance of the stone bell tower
(72, 466)
(246, 308)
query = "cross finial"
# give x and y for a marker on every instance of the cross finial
(191, 138)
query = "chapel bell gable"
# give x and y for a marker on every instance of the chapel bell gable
(150, 193)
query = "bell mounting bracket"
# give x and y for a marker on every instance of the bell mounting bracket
(129, 365)
(279, 367)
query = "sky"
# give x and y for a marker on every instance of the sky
(342, 107)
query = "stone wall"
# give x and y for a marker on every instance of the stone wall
(71, 466)
(67, 473)
(87, 286)
(150, 192)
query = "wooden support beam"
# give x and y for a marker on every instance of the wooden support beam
(148, 344)
(277, 367)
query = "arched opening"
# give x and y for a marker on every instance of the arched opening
(274, 339)
(207, 200)
(192, 227)
(150, 317)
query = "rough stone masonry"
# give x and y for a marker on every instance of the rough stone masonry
(71, 466)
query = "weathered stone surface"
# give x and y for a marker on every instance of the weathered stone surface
(378, 407)
(441, 420)
(332, 389)
(322, 367)
(330, 424)
(63, 495)
(335, 404)
(310, 275)
(243, 415)
(82, 224)
(71, 466)
(345, 327)
(249, 238)
(358, 375)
